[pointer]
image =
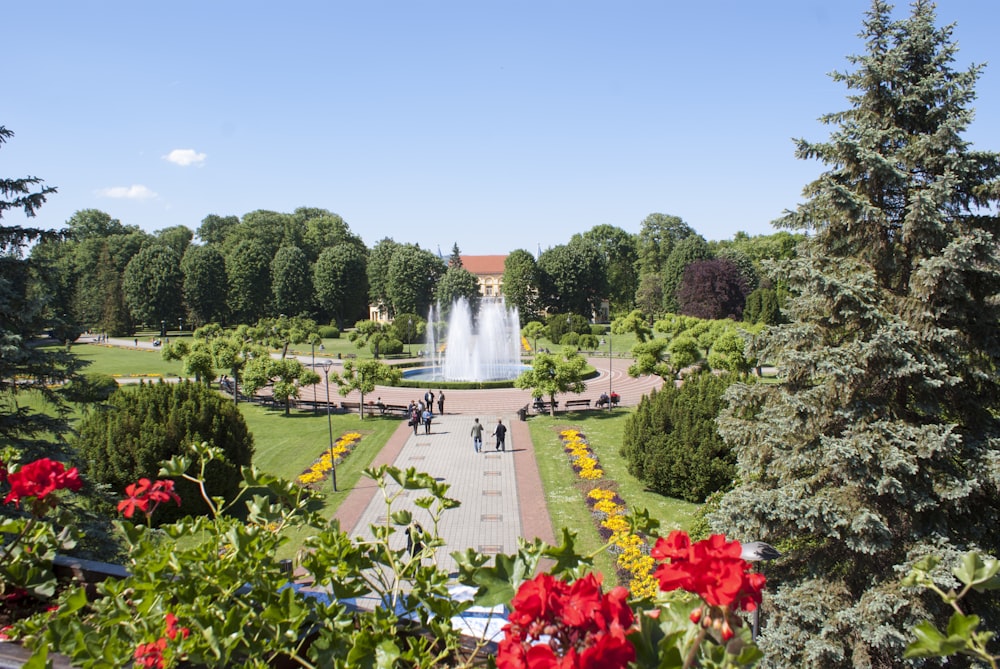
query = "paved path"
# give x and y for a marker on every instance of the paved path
(500, 492)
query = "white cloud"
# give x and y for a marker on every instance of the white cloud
(185, 157)
(133, 192)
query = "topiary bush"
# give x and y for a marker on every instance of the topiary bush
(390, 346)
(671, 443)
(155, 422)
(329, 331)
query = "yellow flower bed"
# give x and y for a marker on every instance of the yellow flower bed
(632, 550)
(318, 470)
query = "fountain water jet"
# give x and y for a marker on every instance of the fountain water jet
(483, 348)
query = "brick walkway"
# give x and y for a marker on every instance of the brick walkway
(501, 493)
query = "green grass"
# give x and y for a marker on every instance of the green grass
(563, 489)
(126, 362)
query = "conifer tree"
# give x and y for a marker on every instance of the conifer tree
(880, 445)
(24, 318)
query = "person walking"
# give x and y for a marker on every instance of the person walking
(500, 431)
(477, 436)
(428, 417)
(429, 400)
(441, 402)
(414, 419)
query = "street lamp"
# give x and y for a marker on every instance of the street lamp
(758, 551)
(409, 337)
(610, 391)
(180, 324)
(163, 328)
(329, 423)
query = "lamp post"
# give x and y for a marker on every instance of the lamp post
(163, 328)
(409, 337)
(757, 551)
(180, 324)
(329, 423)
(610, 391)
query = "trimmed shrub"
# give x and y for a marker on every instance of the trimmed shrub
(155, 422)
(388, 347)
(671, 443)
(329, 331)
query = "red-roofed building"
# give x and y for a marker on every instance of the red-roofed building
(489, 271)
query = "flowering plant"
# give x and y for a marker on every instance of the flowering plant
(29, 544)
(222, 597)
(555, 623)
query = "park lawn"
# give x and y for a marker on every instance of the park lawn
(126, 362)
(563, 489)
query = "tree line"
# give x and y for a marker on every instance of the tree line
(103, 275)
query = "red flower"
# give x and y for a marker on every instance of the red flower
(559, 625)
(36, 480)
(711, 569)
(144, 494)
(172, 629)
(151, 654)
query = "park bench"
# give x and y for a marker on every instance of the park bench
(583, 404)
(350, 406)
(541, 406)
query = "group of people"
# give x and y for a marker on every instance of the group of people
(499, 432)
(606, 399)
(422, 412)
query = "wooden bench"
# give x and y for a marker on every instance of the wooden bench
(544, 406)
(350, 406)
(583, 404)
(373, 408)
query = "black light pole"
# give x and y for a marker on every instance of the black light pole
(180, 324)
(163, 328)
(409, 337)
(758, 551)
(610, 391)
(329, 423)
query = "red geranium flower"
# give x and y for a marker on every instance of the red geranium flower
(559, 625)
(173, 630)
(151, 654)
(711, 569)
(145, 494)
(36, 480)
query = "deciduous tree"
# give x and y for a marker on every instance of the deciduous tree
(153, 285)
(686, 251)
(291, 281)
(552, 374)
(520, 284)
(340, 278)
(712, 289)
(204, 270)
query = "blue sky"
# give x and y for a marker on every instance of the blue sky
(493, 125)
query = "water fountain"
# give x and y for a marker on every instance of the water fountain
(477, 347)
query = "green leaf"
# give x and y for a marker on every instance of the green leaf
(928, 643)
(980, 574)
(962, 626)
